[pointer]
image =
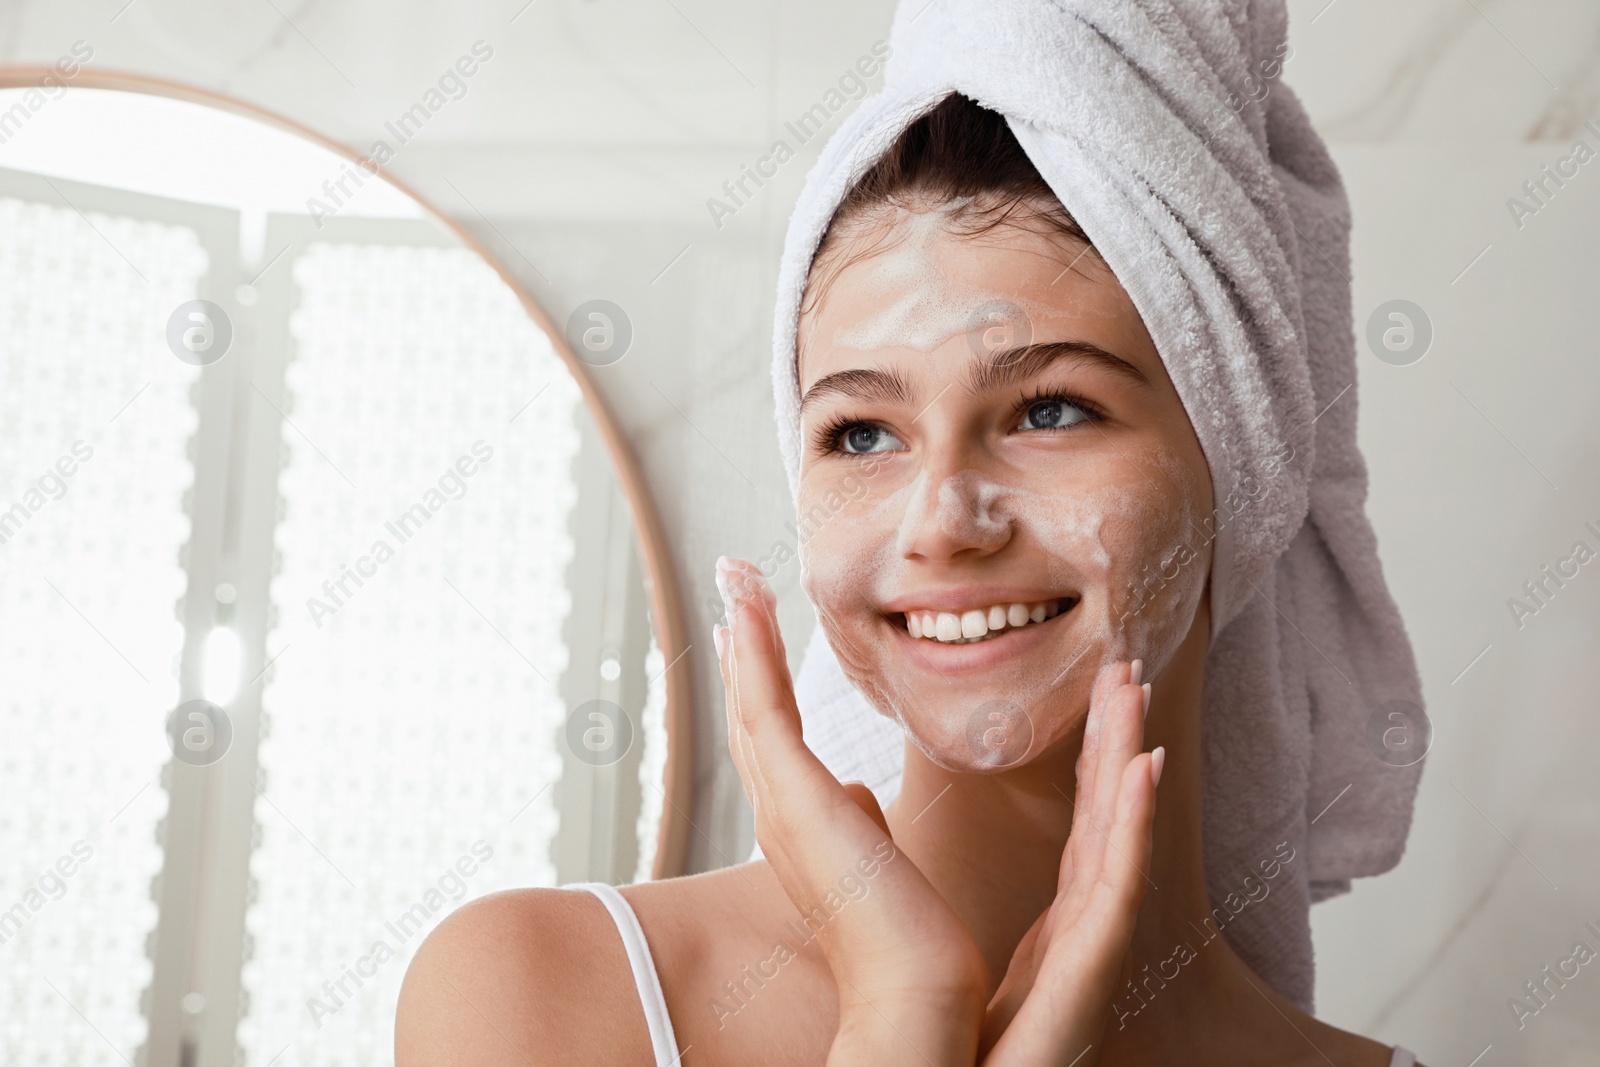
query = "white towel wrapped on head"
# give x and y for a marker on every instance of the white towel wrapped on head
(1165, 132)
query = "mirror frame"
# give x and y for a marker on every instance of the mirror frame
(665, 598)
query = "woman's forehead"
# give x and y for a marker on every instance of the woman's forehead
(918, 288)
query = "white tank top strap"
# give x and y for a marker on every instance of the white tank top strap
(1402, 1058)
(645, 978)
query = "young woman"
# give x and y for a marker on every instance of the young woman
(989, 590)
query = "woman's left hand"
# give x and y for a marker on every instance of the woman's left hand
(1052, 1006)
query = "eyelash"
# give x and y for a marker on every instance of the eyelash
(826, 438)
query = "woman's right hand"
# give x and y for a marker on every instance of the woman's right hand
(907, 971)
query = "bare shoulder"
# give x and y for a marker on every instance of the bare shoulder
(731, 998)
(1327, 1042)
(527, 976)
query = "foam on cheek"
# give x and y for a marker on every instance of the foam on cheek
(1145, 598)
(841, 565)
(1117, 545)
(845, 560)
(1072, 526)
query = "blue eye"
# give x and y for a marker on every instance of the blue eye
(1054, 413)
(864, 437)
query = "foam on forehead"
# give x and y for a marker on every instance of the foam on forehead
(929, 305)
(930, 308)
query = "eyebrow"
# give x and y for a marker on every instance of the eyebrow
(1006, 366)
(864, 383)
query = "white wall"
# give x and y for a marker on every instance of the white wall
(594, 137)
(1483, 461)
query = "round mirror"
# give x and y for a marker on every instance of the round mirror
(330, 595)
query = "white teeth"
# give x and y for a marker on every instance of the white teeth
(976, 624)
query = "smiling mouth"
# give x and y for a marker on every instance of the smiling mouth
(979, 624)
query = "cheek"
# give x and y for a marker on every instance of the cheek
(1160, 560)
(843, 553)
(843, 547)
(847, 554)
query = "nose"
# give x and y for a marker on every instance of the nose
(952, 512)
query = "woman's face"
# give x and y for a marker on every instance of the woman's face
(1000, 491)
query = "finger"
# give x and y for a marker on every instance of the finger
(1074, 981)
(741, 699)
(761, 691)
(738, 740)
(1123, 876)
(1100, 938)
(1090, 818)
(1105, 683)
(791, 785)
(1120, 738)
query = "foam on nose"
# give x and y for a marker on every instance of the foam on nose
(967, 510)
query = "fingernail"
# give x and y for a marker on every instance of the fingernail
(1136, 672)
(1146, 688)
(730, 600)
(719, 638)
(1158, 759)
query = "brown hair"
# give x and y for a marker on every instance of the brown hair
(960, 156)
